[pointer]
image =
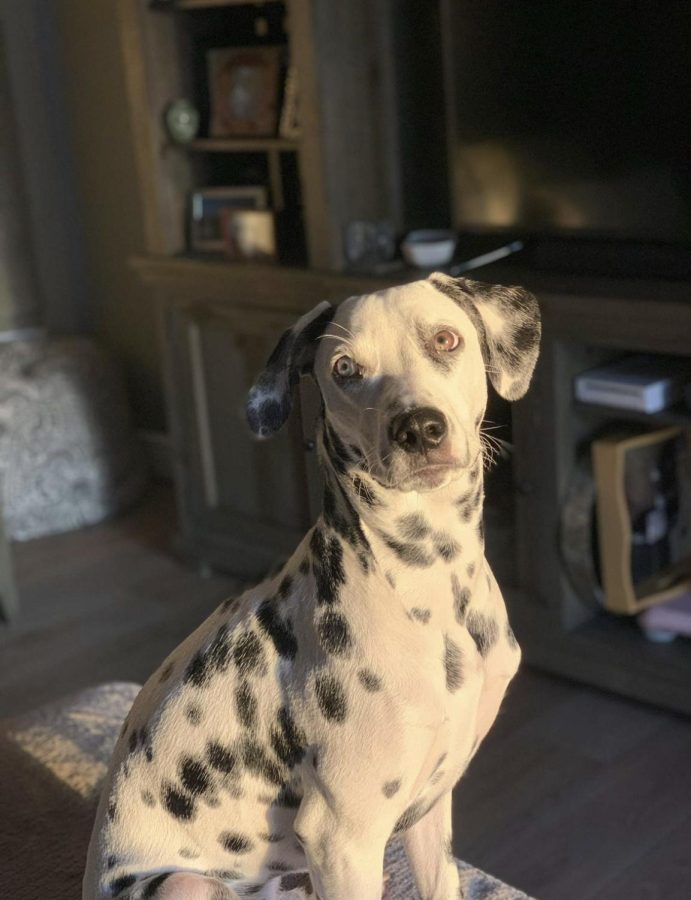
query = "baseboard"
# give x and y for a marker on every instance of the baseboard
(159, 453)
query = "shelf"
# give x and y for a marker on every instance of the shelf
(207, 4)
(241, 145)
(608, 652)
(675, 415)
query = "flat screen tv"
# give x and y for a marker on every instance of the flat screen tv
(572, 119)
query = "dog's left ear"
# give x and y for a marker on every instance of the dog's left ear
(270, 398)
(507, 320)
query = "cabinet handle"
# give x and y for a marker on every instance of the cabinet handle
(309, 445)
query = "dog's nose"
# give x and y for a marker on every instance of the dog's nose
(418, 430)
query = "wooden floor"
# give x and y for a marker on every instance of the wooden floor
(575, 795)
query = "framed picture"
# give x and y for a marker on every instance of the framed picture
(250, 234)
(244, 87)
(208, 207)
(643, 484)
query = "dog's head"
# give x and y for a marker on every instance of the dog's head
(402, 374)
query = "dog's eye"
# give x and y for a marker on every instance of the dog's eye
(446, 340)
(345, 367)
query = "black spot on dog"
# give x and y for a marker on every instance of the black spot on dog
(461, 599)
(188, 853)
(304, 567)
(252, 889)
(364, 492)
(152, 886)
(225, 606)
(193, 713)
(285, 586)
(328, 566)
(437, 777)
(453, 665)
(166, 672)
(391, 787)
(471, 570)
(220, 758)
(410, 816)
(194, 776)
(179, 805)
(280, 632)
(474, 472)
(111, 862)
(296, 881)
(149, 754)
(288, 798)
(271, 838)
(212, 800)
(369, 680)
(511, 637)
(248, 653)
(226, 875)
(331, 698)
(234, 842)
(214, 658)
(148, 798)
(483, 630)
(481, 532)
(269, 417)
(245, 704)
(277, 866)
(410, 554)
(119, 884)
(334, 633)
(446, 547)
(287, 740)
(413, 527)
(336, 450)
(422, 615)
(112, 810)
(258, 761)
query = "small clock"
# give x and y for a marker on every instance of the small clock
(182, 121)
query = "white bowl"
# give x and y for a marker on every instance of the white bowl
(428, 247)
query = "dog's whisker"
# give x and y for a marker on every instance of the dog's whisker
(347, 330)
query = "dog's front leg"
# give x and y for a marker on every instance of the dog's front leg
(428, 845)
(345, 857)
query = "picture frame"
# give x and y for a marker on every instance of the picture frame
(643, 515)
(250, 235)
(244, 91)
(207, 208)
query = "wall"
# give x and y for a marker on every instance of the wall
(111, 211)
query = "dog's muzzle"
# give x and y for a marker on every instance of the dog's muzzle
(418, 430)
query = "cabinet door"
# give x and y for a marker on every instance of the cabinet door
(244, 502)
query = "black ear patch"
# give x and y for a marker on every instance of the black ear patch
(270, 398)
(507, 320)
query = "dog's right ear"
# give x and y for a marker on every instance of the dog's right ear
(270, 398)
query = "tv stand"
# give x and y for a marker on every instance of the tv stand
(586, 322)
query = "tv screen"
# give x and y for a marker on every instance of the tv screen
(570, 117)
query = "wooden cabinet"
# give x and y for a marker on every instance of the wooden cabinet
(242, 501)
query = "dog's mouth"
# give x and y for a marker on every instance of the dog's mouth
(429, 477)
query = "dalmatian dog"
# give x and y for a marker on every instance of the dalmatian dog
(306, 722)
